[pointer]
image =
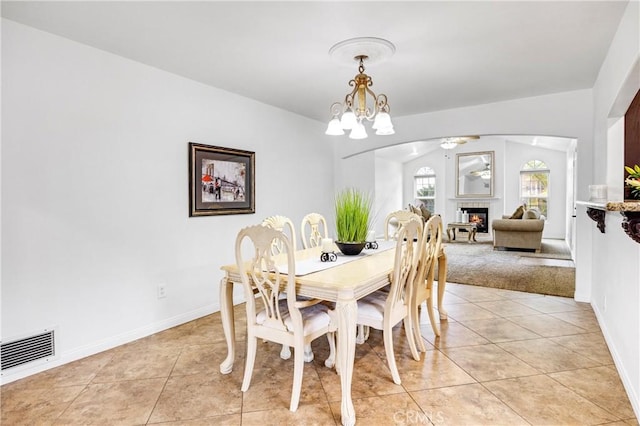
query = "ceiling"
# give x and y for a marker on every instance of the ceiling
(448, 54)
(409, 151)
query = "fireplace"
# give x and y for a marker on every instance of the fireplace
(479, 216)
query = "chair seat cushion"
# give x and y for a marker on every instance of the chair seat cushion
(372, 305)
(314, 317)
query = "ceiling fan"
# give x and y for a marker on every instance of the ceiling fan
(452, 142)
(484, 173)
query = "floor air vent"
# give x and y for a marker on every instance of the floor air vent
(28, 349)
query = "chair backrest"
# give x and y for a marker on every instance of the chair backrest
(313, 221)
(431, 244)
(397, 219)
(408, 250)
(261, 274)
(283, 224)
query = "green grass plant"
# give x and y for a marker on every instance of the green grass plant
(353, 211)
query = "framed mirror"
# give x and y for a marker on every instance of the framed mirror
(474, 172)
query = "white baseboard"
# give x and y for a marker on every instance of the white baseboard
(109, 343)
(634, 399)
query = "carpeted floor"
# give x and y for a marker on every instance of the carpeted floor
(549, 272)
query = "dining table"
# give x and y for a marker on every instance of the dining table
(343, 282)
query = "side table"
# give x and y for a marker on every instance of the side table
(470, 227)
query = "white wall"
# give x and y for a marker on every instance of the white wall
(95, 191)
(616, 258)
(388, 192)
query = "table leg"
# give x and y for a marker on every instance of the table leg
(473, 234)
(226, 312)
(347, 310)
(442, 281)
(449, 234)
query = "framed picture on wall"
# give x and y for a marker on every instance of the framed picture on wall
(221, 180)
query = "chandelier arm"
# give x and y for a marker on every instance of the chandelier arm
(381, 103)
(348, 100)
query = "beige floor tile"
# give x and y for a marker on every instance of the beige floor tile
(398, 409)
(468, 312)
(499, 330)
(119, 403)
(542, 401)
(547, 356)
(583, 318)
(36, 406)
(600, 385)
(547, 305)
(513, 294)
(80, 372)
(473, 293)
(433, 370)
(489, 362)
(590, 345)
(465, 405)
(307, 414)
(199, 360)
(449, 298)
(401, 347)
(271, 388)
(452, 335)
(132, 364)
(225, 420)
(198, 396)
(571, 302)
(546, 325)
(173, 378)
(371, 377)
(506, 308)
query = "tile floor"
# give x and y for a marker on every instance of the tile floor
(504, 358)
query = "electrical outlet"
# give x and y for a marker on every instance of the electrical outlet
(162, 290)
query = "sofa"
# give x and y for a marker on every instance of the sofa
(522, 230)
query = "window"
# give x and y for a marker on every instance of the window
(534, 185)
(425, 187)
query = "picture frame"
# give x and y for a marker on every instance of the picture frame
(221, 180)
(474, 174)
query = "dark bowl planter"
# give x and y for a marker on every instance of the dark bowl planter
(350, 249)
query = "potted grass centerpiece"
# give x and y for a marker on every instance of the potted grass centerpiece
(353, 211)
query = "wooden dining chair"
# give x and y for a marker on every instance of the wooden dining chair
(288, 321)
(423, 285)
(382, 310)
(283, 224)
(317, 226)
(395, 220)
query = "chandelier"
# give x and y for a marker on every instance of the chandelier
(357, 107)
